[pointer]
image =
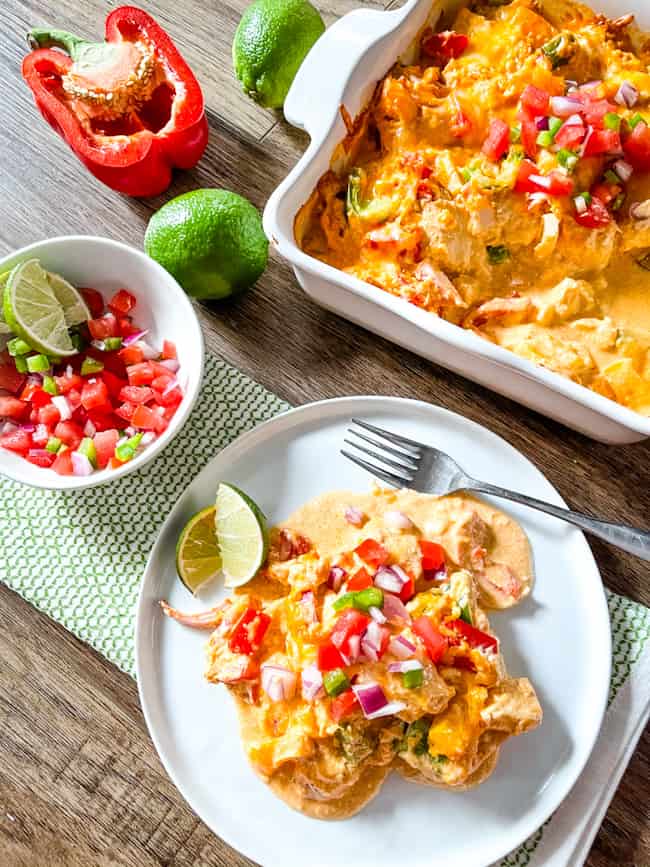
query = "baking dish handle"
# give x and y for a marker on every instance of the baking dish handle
(321, 79)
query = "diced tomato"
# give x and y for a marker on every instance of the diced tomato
(11, 407)
(105, 442)
(606, 192)
(95, 394)
(113, 383)
(104, 421)
(74, 398)
(249, 631)
(126, 327)
(329, 657)
(601, 141)
(159, 369)
(49, 415)
(17, 441)
(40, 458)
(594, 111)
(595, 217)
(424, 191)
(105, 326)
(147, 419)
(160, 383)
(169, 412)
(169, 348)
(63, 463)
(136, 394)
(498, 140)
(10, 379)
(535, 101)
(350, 623)
(444, 45)
(122, 302)
(637, 147)
(570, 135)
(126, 411)
(131, 355)
(435, 643)
(65, 383)
(473, 636)
(141, 374)
(169, 398)
(433, 556)
(69, 433)
(372, 553)
(94, 301)
(529, 138)
(561, 184)
(463, 662)
(408, 590)
(360, 580)
(343, 705)
(460, 125)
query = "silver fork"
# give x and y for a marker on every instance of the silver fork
(410, 464)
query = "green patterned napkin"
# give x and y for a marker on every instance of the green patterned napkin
(84, 569)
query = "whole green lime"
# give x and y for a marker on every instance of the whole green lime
(211, 241)
(272, 40)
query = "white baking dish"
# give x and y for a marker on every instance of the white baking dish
(342, 69)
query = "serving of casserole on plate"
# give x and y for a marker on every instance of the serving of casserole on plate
(497, 180)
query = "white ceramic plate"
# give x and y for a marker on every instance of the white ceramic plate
(559, 637)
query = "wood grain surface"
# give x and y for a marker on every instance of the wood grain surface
(80, 782)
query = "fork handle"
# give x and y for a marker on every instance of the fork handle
(631, 539)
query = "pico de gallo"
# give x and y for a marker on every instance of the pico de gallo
(96, 409)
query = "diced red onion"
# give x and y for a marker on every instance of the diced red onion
(388, 710)
(28, 428)
(394, 609)
(581, 204)
(401, 647)
(81, 466)
(41, 434)
(69, 371)
(308, 607)
(8, 427)
(171, 364)
(133, 338)
(34, 379)
(574, 120)
(62, 403)
(278, 682)
(541, 123)
(397, 520)
(355, 645)
(535, 199)
(39, 453)
(147, 438)
(627, 94)
(147, 350)
(377, 614)
(130, 431)
(354, 516)
(565, 106)
(390, 579)
(570, 83)
(89, 429)
(312, 683)
(435, 574)
(541, 181)
(336, 577)
(371, 697)
(98, 344)
(405, 665)
(640, 210)
(372, 640)
(623, 170)
(591, 85)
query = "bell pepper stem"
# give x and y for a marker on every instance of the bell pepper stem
(40, 37)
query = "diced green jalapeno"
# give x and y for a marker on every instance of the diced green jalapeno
(21, 363)
(568, 159)
(545, 138)
(635, 120)
(38, 363)
(49, 385)
(125, 451)
(17, 347)
(53, 445)
(515, 133)
(360, 599)
(91, 365)
(554, 124)
(465, 613)
(413, 679)
(497, 254)
(335, 681)
(612, 120)
(87, 447)
(112, 343)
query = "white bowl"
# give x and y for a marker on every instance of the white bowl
(162, 307)
(342, 69)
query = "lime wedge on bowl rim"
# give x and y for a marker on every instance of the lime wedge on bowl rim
(75, 309)
(197, 553)
(242, 535)
(33, 312)
(4, 328)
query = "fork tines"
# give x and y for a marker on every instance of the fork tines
(400, 464)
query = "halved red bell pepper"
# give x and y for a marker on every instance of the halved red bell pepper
(130, 108)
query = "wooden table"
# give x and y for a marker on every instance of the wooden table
(80, 782)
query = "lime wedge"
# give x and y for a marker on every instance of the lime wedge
(4, 328)
(242, 535)
(197, 553)
(32, 311)
(75, 309)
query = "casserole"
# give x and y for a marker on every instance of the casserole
(355, 53)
